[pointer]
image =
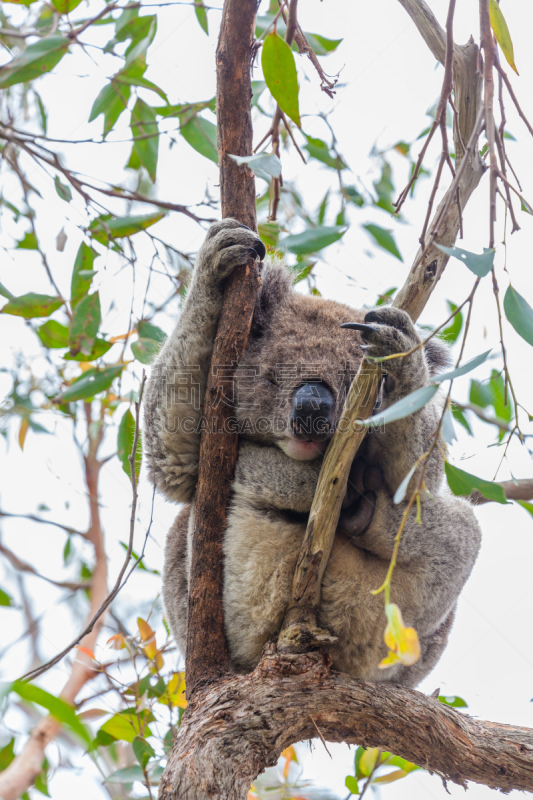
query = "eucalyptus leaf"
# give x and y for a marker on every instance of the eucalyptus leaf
(261, 163)
(463, 484)
(313, 239)
(384, 239)
(468, 367)
(501, 32)
(403, 408)
(125, 438)
(57, 707)
(84, 326)
(34, 61)
(32, 305)
(519, 313)
(402, 488)
(82, 273)
(279, 71)
(91, 383)
(201, 134)
(480, 265)
(52, 334)
(106, 227)
(145, 133)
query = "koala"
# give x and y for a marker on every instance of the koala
(290, 388)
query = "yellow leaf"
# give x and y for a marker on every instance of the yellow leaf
(367, 762)
(289, 754)
(175, 692)
(23, 430)
(391, 776)
(402, 642)
(501, 32)
(118, 641)
(145, 630)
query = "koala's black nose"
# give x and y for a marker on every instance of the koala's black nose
(312, 412)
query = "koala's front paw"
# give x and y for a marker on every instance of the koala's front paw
(229, 243)
(358, 506)
(388, 331)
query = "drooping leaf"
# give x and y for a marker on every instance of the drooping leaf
(402, 488)
(125, 726)
(201, 134)
(279, 70)
(313, 239)
(145, 134)
(105, 227)
(91, 383)
(84, 325)
(34, 61)
(28, 242)
(458, 414)
(463, 484)
(133, 75)
(456, 373)
(402, 408)
(261, 163)
(111, 102)
(143, 750)
(63, 190)
(519, 313)
(384, 239)
(353, 196)
(367, 762)
(451, 333)
(501, 32)
(99, 349)
(201, 15)
(32, 305)
(5, 599)
(125, 437)
(385, 189)
(480, 265)
(83, 273)
(57, 707)
(321, 45)
(402, 642)
(52, 334)
(453, 701)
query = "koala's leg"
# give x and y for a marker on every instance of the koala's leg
(396, 448)
(176, 389)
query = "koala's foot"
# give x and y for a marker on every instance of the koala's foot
(229, 243)
(358, 506)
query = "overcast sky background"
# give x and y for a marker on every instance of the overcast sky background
(389, 81)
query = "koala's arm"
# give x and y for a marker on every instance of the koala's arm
(397, 446)
(176, 389)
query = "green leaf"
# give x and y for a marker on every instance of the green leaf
(57, 707)
(480, 265)
(125, 725)
(201, 15)
(7, 754)
(319, 150)
(6, 293)
(279, 70)
(269, 233)
(384, 239)
(91, 383)
(451, 333)
(83, 273)
(32, 305)
(145, 350)
(65, 6)
(100, 348)
(28, 242)
(145, 29)
(202, 135)
(519, 313)
(62, 190)
(84, 325)
(351, 784)
(188, 110)
(386, 297)
(143, 124)
(106, 227)
(260, 164)
(526, 506)
(148, 331)
(321, 45)
(133, 75)
(125, 437)
(458, 414)
(313, 239)
(463, 483)
(143, 751)
(52, 334)
(126, 775)
(111, 102)
(456, 373)
(501, 32)
(453, 701)
(5, 599)
(34, 61)
(385, 189)
(402, 488)
(353, 196)
(403, 408)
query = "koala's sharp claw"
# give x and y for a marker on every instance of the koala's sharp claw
(259, 248)
(359, 326)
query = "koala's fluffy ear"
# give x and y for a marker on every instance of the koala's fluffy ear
(276, 286)
(438, 356)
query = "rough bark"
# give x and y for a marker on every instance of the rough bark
(236, 728)
(206, 643)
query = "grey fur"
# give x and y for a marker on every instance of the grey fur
(272, 492)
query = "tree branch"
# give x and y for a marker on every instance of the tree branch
(514, 490)
(246, 721)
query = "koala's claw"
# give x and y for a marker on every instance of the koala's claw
(358, 326)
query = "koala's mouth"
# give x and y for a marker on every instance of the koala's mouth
(303, 449)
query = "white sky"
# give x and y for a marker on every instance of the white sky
(390, 80)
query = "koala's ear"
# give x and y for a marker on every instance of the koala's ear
(438, 355)
(276, 286)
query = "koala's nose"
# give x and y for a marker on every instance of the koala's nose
(312, 411)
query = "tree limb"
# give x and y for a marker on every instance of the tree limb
(246, 721)
(514, 490)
